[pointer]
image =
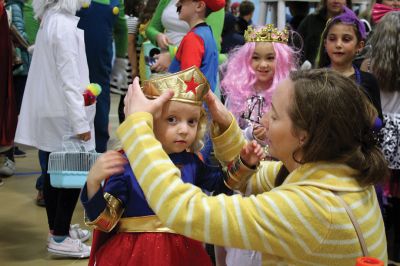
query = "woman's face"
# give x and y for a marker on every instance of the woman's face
(335, 7)
(263, 63)
(282, 140)
(391, 3)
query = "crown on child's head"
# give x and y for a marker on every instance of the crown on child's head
(267, 33)
(189, 86)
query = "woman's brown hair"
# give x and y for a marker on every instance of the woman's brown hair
(338, 118)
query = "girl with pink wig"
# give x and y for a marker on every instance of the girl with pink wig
(252, 73)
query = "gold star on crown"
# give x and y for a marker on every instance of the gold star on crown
(267, 33)
(189, 86)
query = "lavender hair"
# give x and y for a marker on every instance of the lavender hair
(239, 77)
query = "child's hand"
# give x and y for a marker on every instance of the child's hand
(259, 133)
(252, 153)
(162, 41)
(110, 163)
(163, 61)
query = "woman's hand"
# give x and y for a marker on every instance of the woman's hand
(84, 136)
(218, 111)
(163, 61)
(108, 164)
(251, 154)
(162, 41)
(135, 101)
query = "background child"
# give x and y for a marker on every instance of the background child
(198, 47)
(251, 76)
(166, 31)
(342, 39)
(384, 62)
(252, 73)
(180, 129)
(52, 107)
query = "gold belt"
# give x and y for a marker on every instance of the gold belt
(149, 223)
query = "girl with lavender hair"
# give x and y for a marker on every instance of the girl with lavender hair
(252, 73)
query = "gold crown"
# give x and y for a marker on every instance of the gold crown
(189, 86)
(267, 33)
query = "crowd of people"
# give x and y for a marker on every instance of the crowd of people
(241, 144)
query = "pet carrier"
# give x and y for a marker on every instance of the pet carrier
(69, 168)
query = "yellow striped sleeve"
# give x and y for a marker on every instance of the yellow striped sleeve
(228, 144)
(263, 180)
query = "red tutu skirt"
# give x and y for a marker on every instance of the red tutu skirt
(151, 249)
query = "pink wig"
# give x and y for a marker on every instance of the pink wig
(239, 77)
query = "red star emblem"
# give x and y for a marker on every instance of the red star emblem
(191, 85)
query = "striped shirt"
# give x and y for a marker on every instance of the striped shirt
(300, 222)
(133, 24)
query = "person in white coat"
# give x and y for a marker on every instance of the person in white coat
(53, 107)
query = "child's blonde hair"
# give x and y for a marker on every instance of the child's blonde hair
(198, 142)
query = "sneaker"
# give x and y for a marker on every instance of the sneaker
(75, 232)
(69, 248)
(18, 153)
(7, 167)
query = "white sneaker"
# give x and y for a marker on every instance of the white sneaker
(75, 232)
(69, 248)
(7, 167)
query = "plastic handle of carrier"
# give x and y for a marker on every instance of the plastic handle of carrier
(369, 261)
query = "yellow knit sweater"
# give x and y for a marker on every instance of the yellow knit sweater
(300, 222)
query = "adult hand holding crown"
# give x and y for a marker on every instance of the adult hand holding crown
(135, 101)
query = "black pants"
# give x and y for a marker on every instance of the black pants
(9, 154)
(19, 87)
(121, 105)
(60, 203)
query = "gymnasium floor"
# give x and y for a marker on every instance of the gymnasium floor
(23, 224)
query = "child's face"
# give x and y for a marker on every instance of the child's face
(176, 128)
(342, 44)
(186, 9)
(263, 63)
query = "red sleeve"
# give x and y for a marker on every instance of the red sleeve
(191, 51)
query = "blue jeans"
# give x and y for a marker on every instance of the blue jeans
(43, 167)
(101, 119)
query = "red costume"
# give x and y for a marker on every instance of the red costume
(8, 111)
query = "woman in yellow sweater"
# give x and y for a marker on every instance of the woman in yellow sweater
(315, 206)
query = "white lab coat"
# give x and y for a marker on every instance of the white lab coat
(53, 105)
